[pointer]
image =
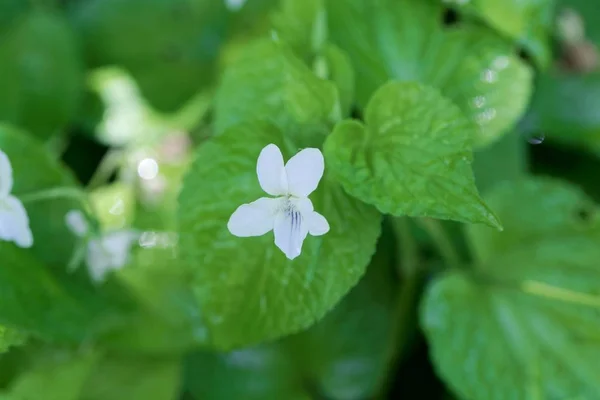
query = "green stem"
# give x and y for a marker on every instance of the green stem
(107, 167)
(77, 256)
(411, 277)
(409, 253)
(441, 240)
(55, 193)
(57, 145)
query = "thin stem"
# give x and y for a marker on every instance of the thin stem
(411, 277)
(55, 193)
(77, 256)
(442, 241)
(409, 254)
(57, 145)
(109, 164)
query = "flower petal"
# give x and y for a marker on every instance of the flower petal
(304, 171)
(290, 231)
(271, 172)
(254, 219)
(97, 260)
(109, 252)
(76, 222)
(14, 222)
(317, 224)
(6, 174)
(302, 204)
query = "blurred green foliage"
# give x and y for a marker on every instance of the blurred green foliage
(461, 143)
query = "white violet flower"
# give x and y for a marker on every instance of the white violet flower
(291, 215)
(105, 253)
(14, 222)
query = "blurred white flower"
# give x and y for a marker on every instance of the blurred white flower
(14, 222)
(291, 215)
(235, 5)
(175, 147)
(77, 223)
(108, 252)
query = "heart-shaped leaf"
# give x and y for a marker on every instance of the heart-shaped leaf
(524, 322)
(268, 82)
(412, 156)
(247, 289)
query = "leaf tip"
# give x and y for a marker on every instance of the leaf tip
(494, 222)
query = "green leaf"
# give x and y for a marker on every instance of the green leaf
(65, 374)
(268, 82)
(340, 72)
(347, 354)
(10, 11)
(247, 289)
(54, 304)
(412, 157)
(50, 71)
(523, 323)
(173, 322)
(260, 373)
(528, 22)
(171, 63)
(542, 207)
(505, 160)
(405, 40)
(127, 377)
(34, 170)
(10, 337)
(55, 374)
(114, 205)
(10, 96)
(38, 294)
(564, 104)
(303, 25)
(564, 108)
(90, 113)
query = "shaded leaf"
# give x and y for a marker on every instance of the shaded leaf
(50, 71)
(34, 170)
(405, 40)
(268, 82)
(505, 160)
(529, 22)
(260, 373)
(347, 354)
(10, 337)
(303, 25)
(56, 373)
(128, 377)
(170, 64)
(564, 108)
(524, 323)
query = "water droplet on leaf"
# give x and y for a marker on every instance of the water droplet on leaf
(536, 138)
